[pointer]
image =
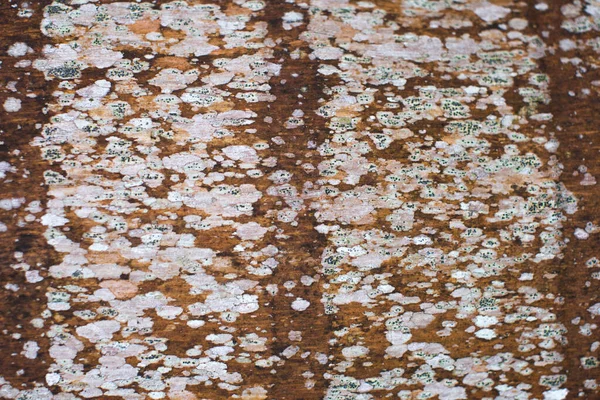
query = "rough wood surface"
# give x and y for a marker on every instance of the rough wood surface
(320, 199)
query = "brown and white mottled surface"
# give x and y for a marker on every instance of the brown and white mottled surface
(287, 199)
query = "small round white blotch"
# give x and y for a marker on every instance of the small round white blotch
(12, 104)
(486, 334)
(526, 276)
(300, 304)
(292, 16)
(490, 12)
(595, 309)
(551, 145)
(484, 321)
(581, 234)
(195, 323)
(52, 379)
(567, 44)
(18, 49)
(355, 351)
(556, 394)
(518, 24)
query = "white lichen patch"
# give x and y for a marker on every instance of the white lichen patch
(12, 104)
(365, 202)
(300, 304)
(19, 49)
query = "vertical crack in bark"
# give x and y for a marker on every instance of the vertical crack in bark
(297, 88)
(24, 252)
(572, 66)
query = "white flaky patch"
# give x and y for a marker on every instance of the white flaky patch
(12, 104)
(98, 331)
(490, 12)
(300, 304)
(487, 334)
(30, 349)
(53, 220)
(19, 49)
(485, 321)
(355, 351)
(556, 394)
